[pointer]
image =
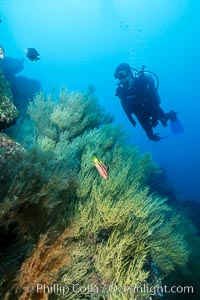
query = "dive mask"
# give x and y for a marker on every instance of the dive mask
(120, 75)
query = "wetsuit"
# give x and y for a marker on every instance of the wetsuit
(142, 100)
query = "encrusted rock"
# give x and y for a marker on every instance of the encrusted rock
(8, 147)
(8, 111)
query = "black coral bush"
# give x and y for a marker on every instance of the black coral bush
(109, 229)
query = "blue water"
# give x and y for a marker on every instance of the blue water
(82, 41)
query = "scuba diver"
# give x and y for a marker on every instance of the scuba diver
(139, 96)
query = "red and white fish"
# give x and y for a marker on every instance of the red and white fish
(101, 167)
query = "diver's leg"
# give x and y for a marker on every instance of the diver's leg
(171, 116)
(145, 122)
(159, 114)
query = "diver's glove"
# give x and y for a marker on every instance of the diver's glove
(155, 137)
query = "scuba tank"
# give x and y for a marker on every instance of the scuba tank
(139, 73)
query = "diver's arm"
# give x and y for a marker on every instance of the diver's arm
(120, 94)
(129, 115)
(131, 119)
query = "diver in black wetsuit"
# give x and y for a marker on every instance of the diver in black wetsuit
(139, 96)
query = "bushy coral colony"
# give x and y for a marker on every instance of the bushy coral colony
(67, 233)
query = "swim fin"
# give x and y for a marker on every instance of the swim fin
(176, 126)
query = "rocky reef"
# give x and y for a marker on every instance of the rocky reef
(8, 111)
(69, 233)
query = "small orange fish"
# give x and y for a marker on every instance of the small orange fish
(102, 169)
